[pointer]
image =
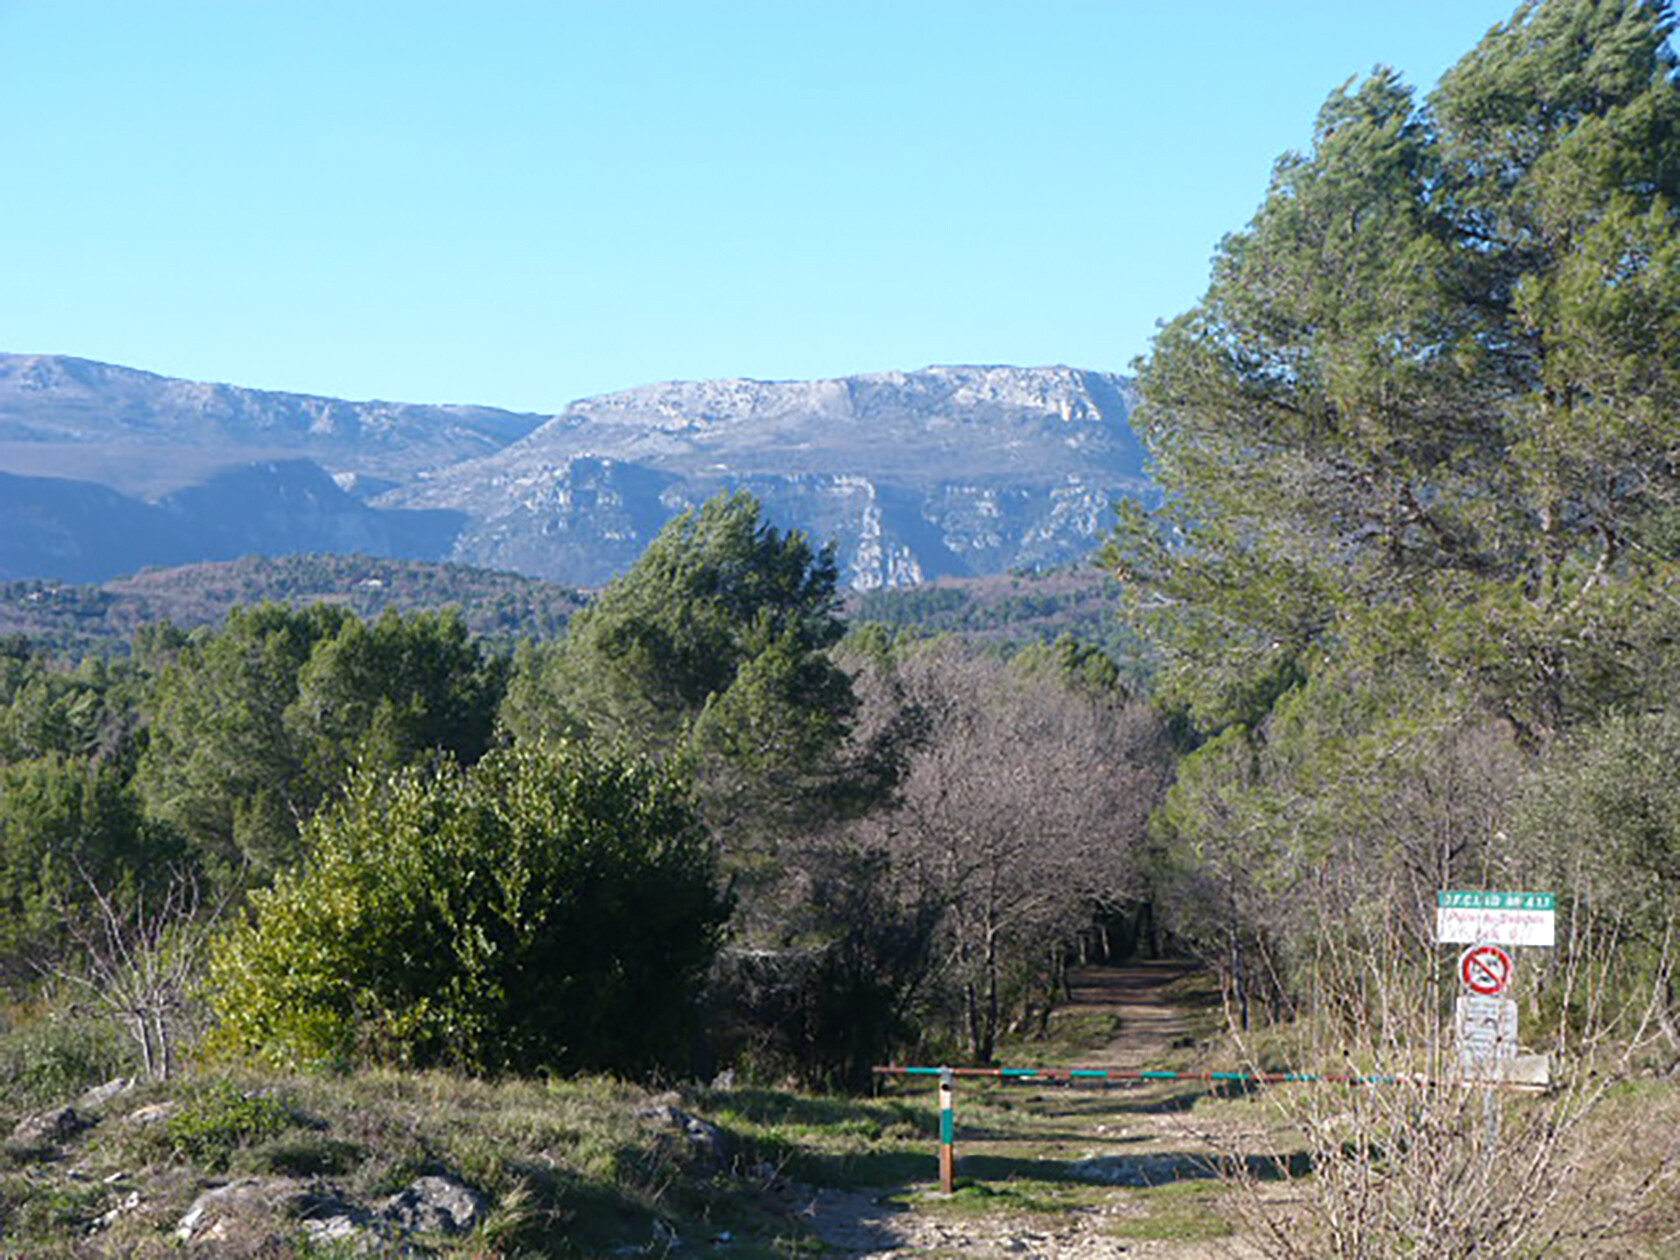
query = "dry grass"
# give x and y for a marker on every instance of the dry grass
(570, 1168)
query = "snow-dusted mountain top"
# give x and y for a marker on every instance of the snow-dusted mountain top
(940, 421)
(1061, 391)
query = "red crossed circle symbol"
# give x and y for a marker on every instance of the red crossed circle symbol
(1486, 969)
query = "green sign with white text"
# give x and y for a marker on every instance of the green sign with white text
(1495, 901)
(1495, 918)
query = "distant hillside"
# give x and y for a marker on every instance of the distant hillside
(1014, 606)
(81, 532)
(1013, 610)
(78, 619)
(1008, 610)
(78, 531)
(912, 476)
(147, 434)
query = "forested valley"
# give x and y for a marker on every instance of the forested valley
(1407, 619)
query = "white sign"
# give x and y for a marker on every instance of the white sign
(1487, 1029)
(1495, 918)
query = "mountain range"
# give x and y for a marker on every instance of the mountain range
(947, 471)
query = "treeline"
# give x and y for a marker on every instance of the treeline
(82, 620)
(79, 620)
(705, 828)
(1415, 584)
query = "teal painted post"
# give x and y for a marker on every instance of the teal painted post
(947, 1131)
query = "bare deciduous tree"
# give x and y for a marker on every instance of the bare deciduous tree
(140, 961)
(1021, 815)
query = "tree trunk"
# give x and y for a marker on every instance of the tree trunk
(1239, 978)
(993, 1011)
(166, 1049)
(148, 1055)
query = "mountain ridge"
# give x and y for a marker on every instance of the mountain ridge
(74, 411)
(958, 470)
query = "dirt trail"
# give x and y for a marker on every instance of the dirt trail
(1059, 1126)
(1150, 1024)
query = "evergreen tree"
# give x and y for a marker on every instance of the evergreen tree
(1422, 458)
(713, 647)
(1437, 372)
(254, 726)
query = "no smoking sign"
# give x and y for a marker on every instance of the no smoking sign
(1485, 969)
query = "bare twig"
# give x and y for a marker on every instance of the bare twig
(140, 962)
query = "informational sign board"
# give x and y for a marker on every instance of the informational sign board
(1487, 1030)
(1495, 918)
(1486, 970)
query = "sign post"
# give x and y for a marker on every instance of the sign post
(947, 1131)
(1485, 1019)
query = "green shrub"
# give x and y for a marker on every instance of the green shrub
(57, 1208)
(551, 909)
(219, 1119)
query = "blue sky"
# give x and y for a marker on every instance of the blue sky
(524, 203)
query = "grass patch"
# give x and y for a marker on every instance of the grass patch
(18, 1154)
(1068, 1038)
(575, 1168)
(57, 1208)
(1181, 1211)
(217, 1118)
(1017, 1194)
(298, 1153)
(766, 1110)
(829, 1141)
(989, 1197)
(50, 1062)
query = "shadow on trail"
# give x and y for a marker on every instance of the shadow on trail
(1164, 1168)
(970, 1133)
(1156, 1169)
(1088, 1101)
(866, 1168)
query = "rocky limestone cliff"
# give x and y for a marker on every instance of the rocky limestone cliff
(949, 471)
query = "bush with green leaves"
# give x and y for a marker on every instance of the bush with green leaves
(220, 1118)
(552, 909)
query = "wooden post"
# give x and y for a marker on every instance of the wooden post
(947, 1132)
